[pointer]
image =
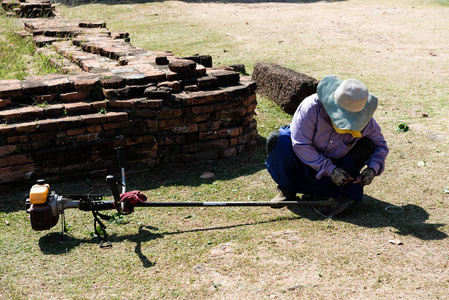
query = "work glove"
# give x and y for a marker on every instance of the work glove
(367, 176)
(340, 177)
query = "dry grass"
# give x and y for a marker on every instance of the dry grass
(399, 48)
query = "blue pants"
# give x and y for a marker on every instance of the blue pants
(293, 176)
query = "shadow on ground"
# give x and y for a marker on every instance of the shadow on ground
(409, 219)
(53, 243)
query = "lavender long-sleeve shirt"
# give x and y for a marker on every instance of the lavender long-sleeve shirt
(315, 141)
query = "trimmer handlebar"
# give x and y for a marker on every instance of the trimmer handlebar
(114, 183)
(121, 157)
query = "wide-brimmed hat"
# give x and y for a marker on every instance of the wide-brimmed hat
(348, 103)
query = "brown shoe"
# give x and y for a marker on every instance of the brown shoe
(282, 196)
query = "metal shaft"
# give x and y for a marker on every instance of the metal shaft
(106, 205)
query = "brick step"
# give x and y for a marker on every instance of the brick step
(52, 88)
(36, 113)
(29, 141)
(34, 10)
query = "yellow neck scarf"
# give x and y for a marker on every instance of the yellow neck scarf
(355, 134)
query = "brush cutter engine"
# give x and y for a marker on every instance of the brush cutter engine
(43, 207)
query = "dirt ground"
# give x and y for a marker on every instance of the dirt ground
(399, 48)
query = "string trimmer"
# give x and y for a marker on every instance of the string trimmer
(45, 206)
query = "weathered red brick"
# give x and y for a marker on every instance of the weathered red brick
(147, 113)
(86, 138)
(47, 125)
(10, 115)
(94, 128)
(233, 142)
(83, 84)
(51, 98)
(18, 159)
(32, 112)
(174, 85)
(186, 128)
(225, 77)
(137, 79)
(59, 85)
(230, 132)
(5, 102)
(33, 87)
(26, 127)
(120, 93)
(170, 123)
(200, 97)
(196, 118)
(18, 139)
(78, 108)
(42, 136)
(55, 110)
(141, 140)
(39, 145)
(248, 118)
(7, 149)
(247, 137)
(94, 119)
(152, 124)
(17, 173)
(69, 122)
(170, 113)
(172, 140)
(7, 130)
(74, 96)
(217, 144)
(113, 82)
(148, 103)
(250, 126)
(155, 75)
(99, 105)
(10, 88)
(121, 103)
(116, 116)
(236, 111)
(202, 109)
(111, 126)
(250, 99)
(211, 125)
(207, 135)
(76, 131)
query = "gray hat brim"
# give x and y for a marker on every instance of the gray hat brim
(342, 118)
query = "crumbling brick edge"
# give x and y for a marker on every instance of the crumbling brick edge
(157, 106)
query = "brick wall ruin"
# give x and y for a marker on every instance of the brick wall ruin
(159, 107)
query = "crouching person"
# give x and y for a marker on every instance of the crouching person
(333, 146)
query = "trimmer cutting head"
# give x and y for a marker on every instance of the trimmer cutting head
(338, 206)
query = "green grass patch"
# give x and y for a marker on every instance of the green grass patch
(18, 57)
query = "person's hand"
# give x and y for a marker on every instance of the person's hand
(340, 177)
(366, 177)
